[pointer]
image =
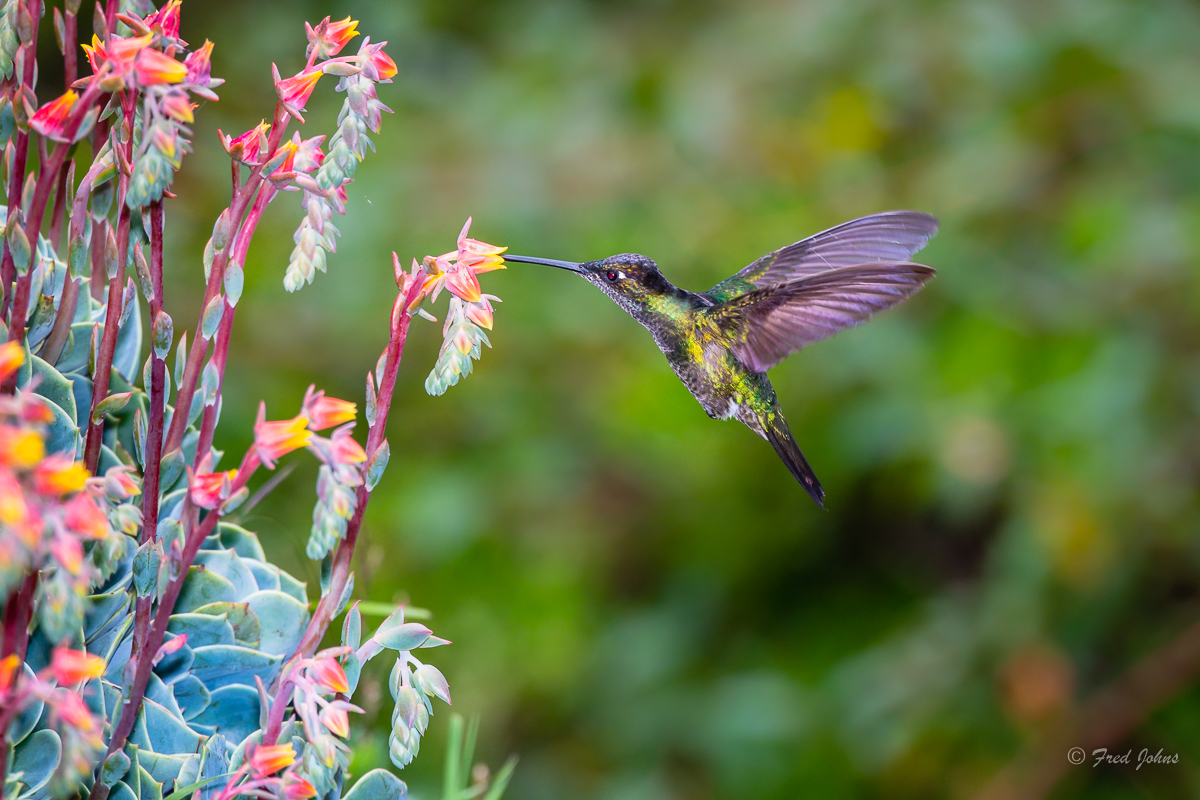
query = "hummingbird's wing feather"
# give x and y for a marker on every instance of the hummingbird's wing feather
(889, 236)
(765, 326)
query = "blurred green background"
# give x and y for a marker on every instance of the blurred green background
(644, 605)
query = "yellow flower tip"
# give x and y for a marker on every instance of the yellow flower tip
(75, 666)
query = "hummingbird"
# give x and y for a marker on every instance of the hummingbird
(722, 342)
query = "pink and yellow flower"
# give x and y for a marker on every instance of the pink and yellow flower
(376, 65)
(328, 673)
(178, 107)
(57, 476)
(12, 356)
(327, 412)
(336, 720)
(247, 148)
(270, 758)
(155, 68)
(75, 666)
(210, 489)
(166, 19)
(346, 450)
(296, 787)
(122, 52)
(199, 65)
(82, 516)
(330, 37)
(273, 440)
(20, 447)
(72, 710)
(14, 512)
(51, 119)
(295, 91)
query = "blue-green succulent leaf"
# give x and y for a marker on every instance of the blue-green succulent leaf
(247, 630)
(203, 587)
(378, 784)
(55, 387)
(201, 629)
(282, 618)
(233, 712)
(222, 665)
(191, 695)
(37, 758)
(115, 767)
(352, 628)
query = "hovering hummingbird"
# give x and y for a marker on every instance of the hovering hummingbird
(722, 342)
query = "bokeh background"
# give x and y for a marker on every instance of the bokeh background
(644, 605)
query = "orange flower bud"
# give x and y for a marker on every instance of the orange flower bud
(75, 666)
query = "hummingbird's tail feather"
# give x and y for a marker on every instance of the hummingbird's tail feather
(775, 430)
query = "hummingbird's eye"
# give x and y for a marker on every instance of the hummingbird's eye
(612, 275)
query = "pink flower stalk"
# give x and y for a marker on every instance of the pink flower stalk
(51, 119)
(328, 38)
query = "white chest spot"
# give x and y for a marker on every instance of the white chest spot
(732, 410)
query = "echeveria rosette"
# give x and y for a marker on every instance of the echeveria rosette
(470, 311)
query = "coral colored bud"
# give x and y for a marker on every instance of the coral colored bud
(155, 68)
(337, 721)
(173, 646)
(178, 107)
(463, 284)
(72, 710)
(12, 356)
(269, 759)
(82, 516)
(329, 673)
(75, 666)
(347, 451)
(57, 476)
(330, 37)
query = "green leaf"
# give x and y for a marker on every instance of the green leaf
(62, 435)
(378, 784)
(377, 464)
(352, 628)
(222, 665)
(283, 620)
(164, 334)
(203, 587)
(247, 629)
(110, 405)
(234, 278)
(500, 782)
(54, 386)
(408, 636)
(37, 758)
(184, 791)
(146, 562)
(232, 711)
(213, 313)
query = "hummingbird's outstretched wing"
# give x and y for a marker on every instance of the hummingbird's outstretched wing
(889, 236)
(765, 326)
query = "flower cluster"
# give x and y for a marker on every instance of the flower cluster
(362, 112)
(56, 518)
(340, 474)
(58, 689)
(470, 310)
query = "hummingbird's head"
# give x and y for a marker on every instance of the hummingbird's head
(631, 280)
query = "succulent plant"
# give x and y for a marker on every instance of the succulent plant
(149, 647)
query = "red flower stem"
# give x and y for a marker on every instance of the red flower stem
(58, 217)
(158, 373)
(17, 612)
(57, 339)
(97, 279)
(116, 291)
(70, 46)
(208, 423)
(48, 175)
(340, 574)
(242, 202)
(142, 662)
(16, 180)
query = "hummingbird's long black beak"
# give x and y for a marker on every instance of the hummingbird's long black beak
(549, 262)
